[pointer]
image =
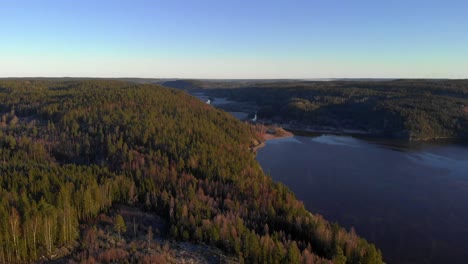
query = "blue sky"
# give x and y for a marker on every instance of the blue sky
(234, 39)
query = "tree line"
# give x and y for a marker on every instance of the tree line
(406, 109)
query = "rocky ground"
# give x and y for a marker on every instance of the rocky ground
(101, 243)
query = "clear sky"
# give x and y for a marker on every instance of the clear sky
(234, 38)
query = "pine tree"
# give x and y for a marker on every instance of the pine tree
(119, 224)
(294, 255)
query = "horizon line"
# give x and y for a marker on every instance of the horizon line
(238, 79)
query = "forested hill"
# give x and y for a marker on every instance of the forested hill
(72, 149)
(407, 109)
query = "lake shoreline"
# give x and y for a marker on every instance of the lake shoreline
(267, 133)
(314, 131)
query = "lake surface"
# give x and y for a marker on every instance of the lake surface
(410, 200)
(239, 110)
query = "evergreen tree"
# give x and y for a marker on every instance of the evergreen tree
(119, 224)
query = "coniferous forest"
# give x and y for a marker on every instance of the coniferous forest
(412, 110)
(71, 150)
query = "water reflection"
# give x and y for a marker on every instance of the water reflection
(338, 141)
(410, 199)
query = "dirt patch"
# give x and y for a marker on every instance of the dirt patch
(268, 132)
(101, 243)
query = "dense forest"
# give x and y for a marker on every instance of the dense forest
(72, 150)
(407, 109)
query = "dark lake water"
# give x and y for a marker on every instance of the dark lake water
(239, 110)
(410, 200)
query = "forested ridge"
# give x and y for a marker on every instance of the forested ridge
(406, 109)
(70, 150)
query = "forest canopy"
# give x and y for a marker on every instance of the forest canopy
(406, 109)
(70, 149)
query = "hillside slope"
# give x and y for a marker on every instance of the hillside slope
(72, 149)
(406, 109)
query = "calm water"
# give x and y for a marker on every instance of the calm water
(412, 201)
(239, 110)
